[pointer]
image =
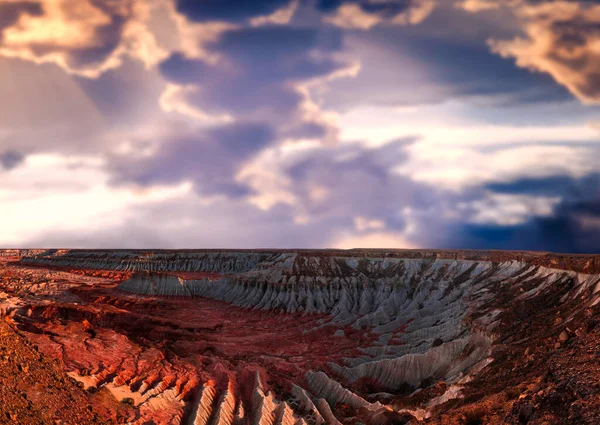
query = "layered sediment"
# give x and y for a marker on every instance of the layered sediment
(362, 335)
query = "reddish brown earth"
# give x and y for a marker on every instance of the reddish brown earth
(36, 390)
(74, 349)
(536, 378)
(97, 328)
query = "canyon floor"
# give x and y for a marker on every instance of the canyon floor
(267, 337)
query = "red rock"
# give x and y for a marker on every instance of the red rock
(343, 335)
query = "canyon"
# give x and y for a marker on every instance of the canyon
(299, 337)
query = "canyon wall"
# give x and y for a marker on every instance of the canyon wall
(419, 316)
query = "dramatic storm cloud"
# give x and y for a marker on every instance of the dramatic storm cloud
(300, 123)
(84, 37)
(561, 39)
(365, 14)
(228, 10)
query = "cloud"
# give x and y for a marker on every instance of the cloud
(560, 39)
(10, 11)
(570, 229)
(573, 191)
(445, 165)
(259, 76)
(350, 14)
(361, 224)
(365, 14)
(49, 111)
(280, 17)
(173, 216)
(475, 6)
(443, 69)
(350, 206)
(564, 233)
(188, 222)
(351, 184)
(126, 97)
(209, 158)
(284, 124)
(229, 10)
(84, 37)
(453, 134)
(507, 209)
(11, 159)
(555, 213)
(34, 194)
(101, 215)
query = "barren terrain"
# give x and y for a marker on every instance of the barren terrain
(371, 337)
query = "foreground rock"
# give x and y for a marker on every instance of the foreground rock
(35, 390)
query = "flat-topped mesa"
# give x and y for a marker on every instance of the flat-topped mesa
(373, 288)
(242, 260)
(161, 261)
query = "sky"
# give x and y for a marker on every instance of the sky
(465, 124)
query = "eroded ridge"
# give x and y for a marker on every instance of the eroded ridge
(290, 337)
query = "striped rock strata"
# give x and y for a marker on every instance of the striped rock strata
(418, 318)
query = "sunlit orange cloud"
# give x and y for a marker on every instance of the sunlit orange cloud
(352, 16)
(475, 6)
(562, 39)
(66, 28)
(66, 24)
(279, 17)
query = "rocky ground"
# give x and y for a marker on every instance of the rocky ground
(545, 368)
(35, 389)
(228, 338)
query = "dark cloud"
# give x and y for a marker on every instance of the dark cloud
(265, 55)
(11, 159)
(576, 189)
(208, 158)
(534, 186)
(228, 10)
(388, 9)
(573, 225)
(349, 181)
(258, 75)
(234, 88)
(240, 11)
(398, 58)
(126, 96)
(288, 50)
(365, 14)
(560, 40)
(177, 68)
(541, 234)
(568, 230)
(470, 69)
